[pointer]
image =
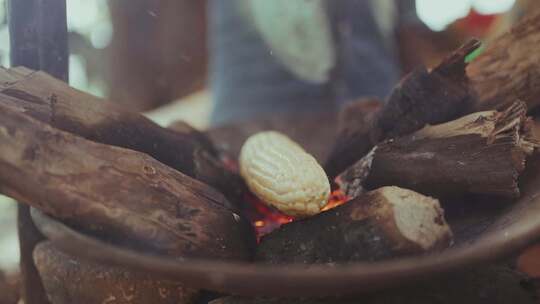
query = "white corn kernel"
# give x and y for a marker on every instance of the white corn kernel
(282, 174)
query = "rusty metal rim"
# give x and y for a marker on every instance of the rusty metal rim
(251, 279)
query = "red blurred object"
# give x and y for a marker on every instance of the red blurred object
(476, 24)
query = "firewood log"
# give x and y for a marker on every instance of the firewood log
(117, 194)
(385, 223)
(493, 284)
(482, 153)
(422, 97)
(55, 103)
(69, 279)
(509, 68)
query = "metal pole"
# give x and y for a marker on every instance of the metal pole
(38, 36)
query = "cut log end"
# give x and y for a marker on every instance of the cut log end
(385, 223)
(419, 219)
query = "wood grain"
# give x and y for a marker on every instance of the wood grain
(118, 194)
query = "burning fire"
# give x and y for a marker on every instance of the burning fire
(337, 198)
(265, 218)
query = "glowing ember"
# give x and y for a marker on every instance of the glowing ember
(265, 218)
(337, 198)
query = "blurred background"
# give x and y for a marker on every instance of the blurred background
(151, 55)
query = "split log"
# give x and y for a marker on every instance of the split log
(55, 103)
(68, 280)
(422, 97)
(493, 284)
(117, 194)
(385, 223)
(509, 68)
(428, 97)
(482, 153)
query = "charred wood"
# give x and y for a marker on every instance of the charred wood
(423, 97)
(482, 153)
(55, 103)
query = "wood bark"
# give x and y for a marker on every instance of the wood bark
(372, 227)
(97, 284)
(482, 153)
(487, 284)
(509, 68)
(117, 194)
(55, 103)
(422, 97)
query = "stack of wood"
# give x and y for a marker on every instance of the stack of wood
(426, 138)
(117, 176)
(459, 133)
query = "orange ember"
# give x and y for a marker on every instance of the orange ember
(265, 218)
(337, 198)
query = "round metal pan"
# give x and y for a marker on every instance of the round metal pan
(479, 239)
